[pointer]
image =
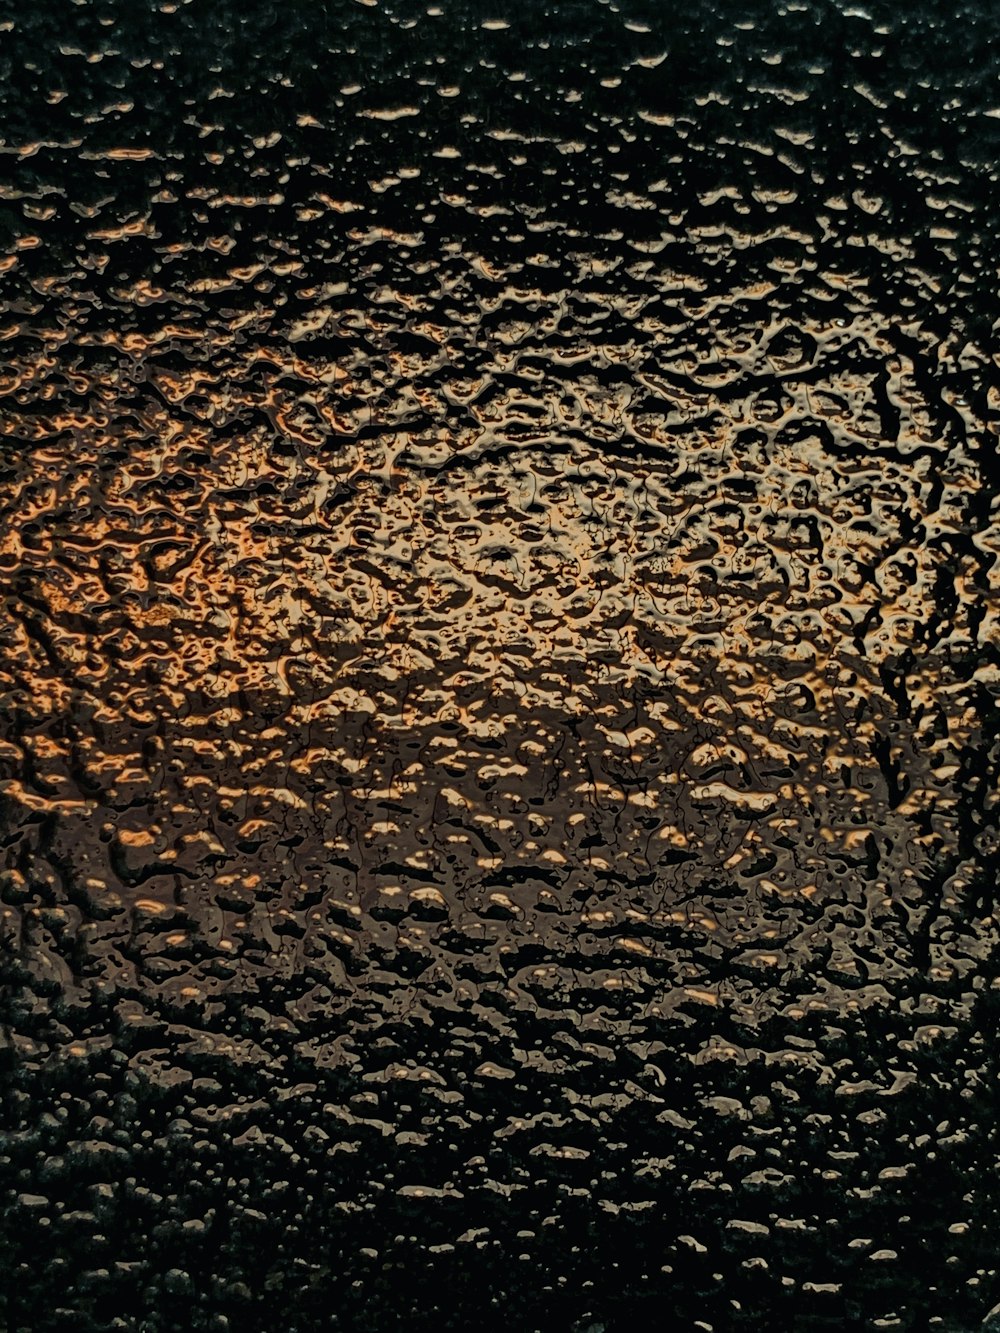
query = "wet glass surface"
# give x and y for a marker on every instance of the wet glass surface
(499, 666)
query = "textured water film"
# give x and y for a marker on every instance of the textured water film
(499, 725)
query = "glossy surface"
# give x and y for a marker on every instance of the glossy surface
(499, 731)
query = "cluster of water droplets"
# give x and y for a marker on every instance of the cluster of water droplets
(499, 666)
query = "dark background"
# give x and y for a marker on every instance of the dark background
(246, 1087)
